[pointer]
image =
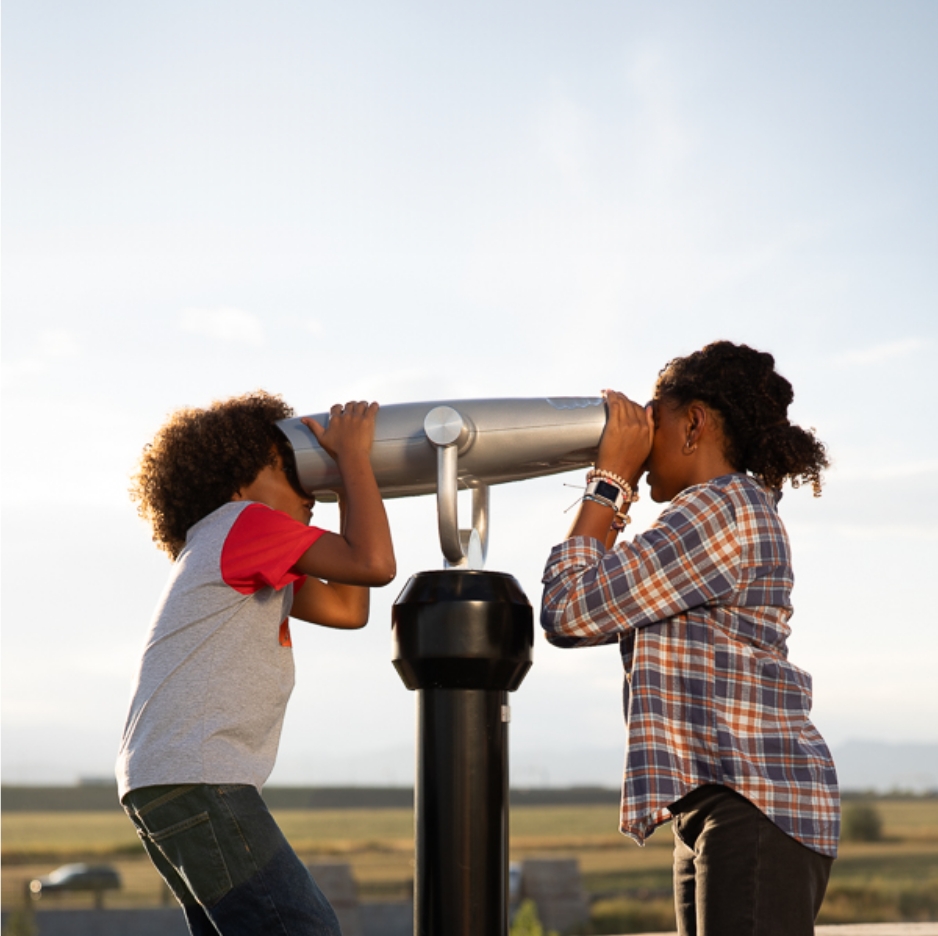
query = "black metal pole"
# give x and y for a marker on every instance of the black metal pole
(462, 640)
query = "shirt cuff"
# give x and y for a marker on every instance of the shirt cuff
(578, 552)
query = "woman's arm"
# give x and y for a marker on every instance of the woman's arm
(626, 441)
(688, 558)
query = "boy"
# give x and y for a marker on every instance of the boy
(220, 490)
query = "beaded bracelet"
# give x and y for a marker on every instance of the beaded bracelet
(620, 522)
(610, 475)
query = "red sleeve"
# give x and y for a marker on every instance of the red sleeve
(262, 547)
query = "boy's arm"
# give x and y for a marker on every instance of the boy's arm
(331, 604)
(362, 554)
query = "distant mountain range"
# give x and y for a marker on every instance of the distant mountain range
(876, 766)
(885, 767)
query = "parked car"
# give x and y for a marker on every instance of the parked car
(77, 877)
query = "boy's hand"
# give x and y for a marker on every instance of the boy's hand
(362, 553)
(351, 429)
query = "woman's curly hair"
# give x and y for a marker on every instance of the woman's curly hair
(742, 385)
(200, 458)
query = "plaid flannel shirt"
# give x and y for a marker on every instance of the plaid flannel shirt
(699, 605)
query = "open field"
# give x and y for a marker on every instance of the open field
(894, 878)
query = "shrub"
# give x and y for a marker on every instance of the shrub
(21, 923)
(880, 902)
(862, 823)
(527, 922)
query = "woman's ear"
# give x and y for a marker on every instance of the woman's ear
(695, 421)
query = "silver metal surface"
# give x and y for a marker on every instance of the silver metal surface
(447, 458)
(480, 523)
(445, 426)
(503, 440)
(461, 548)
(475, 540)
(450, 445)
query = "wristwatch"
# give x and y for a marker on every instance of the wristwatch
(605, 492)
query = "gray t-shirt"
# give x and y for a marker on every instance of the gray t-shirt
(217, 670)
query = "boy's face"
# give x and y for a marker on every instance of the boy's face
(273, 488)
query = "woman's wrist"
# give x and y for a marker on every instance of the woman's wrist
(616, 480)
(611, 490)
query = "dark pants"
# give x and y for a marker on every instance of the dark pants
(736, 873)
(229, 865)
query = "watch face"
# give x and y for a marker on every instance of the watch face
(607, 490)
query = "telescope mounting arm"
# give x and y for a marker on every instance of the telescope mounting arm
(446, 429)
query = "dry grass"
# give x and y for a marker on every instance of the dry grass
(896, 878)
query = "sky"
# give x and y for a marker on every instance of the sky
(414, 201)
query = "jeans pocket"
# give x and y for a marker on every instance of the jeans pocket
(192, 848)
(677, 829)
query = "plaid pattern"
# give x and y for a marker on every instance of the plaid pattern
(699, 605)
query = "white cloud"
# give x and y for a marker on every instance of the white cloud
(223, 324)
(881, 352)
(53, 345)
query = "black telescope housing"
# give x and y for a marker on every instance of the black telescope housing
(462, 640)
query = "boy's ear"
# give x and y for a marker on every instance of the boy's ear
(239, 495)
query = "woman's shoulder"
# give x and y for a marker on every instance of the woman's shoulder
(711, 503)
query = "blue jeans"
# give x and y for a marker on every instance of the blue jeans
(228, 864)
(736, 873)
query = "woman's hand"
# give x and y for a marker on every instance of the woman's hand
(627, 438)
(350, 431)
(623, 450)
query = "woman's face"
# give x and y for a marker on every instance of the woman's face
(669, 470)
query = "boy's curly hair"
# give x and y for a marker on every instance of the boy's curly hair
(200, 458)
(742, 385)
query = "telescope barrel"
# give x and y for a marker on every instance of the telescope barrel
(504, 440)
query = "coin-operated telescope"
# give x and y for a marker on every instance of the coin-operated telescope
(442, 447)
(462, 638)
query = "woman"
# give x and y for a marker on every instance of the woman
(718, 733)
